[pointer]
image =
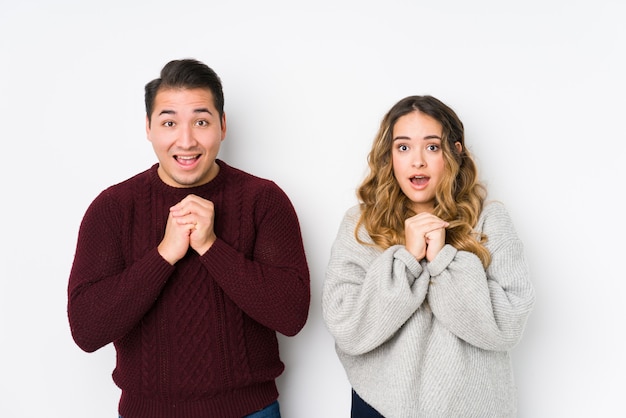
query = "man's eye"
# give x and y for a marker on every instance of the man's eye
(168, 124)
(202, 123)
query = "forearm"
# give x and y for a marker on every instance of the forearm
(486, 310)
(365, 305)
(275, 294)
(102, 309)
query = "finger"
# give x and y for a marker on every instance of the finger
(180, 210)
(185, 206)
(194, 201)
(434, 226)
(186, 220)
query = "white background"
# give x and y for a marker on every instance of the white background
(540, 86)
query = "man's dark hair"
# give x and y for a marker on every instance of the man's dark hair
(185, 74)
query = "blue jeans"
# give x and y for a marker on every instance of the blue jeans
(270, 411)
(361, 409)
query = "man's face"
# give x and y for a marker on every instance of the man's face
(186, 132)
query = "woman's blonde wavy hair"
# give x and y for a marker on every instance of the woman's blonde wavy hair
(459, 197)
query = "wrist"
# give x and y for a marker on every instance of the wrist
(170, 258)
(207, 246)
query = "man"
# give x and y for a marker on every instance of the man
(190, 267)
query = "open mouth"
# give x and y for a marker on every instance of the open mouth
(419, 180)
(186, 159)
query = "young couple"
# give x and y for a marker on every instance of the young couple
(191, 267)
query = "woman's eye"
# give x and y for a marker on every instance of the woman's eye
(432, 147)
(402, 147)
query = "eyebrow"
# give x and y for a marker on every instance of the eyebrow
(173, 112)
(427, 137)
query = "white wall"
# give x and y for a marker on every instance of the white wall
(539, 85)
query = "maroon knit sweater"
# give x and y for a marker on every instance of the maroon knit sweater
(197, 339)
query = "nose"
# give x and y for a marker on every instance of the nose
(418, 160)
(186, 138)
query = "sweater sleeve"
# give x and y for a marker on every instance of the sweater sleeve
(273, 286)
(107, 297)
(369, 294)
(487, 309)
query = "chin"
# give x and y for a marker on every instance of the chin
(187, 181)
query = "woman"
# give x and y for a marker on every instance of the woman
(427, 289)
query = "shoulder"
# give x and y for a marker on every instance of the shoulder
(351, 217)
(258, 191)
(493, 208)
(353, 213)
(245, 178)
(495, 220)
(349, 224)
(127, 190)
(138, 179)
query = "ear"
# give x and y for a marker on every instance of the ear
(223, 125)
(148, 127)
(458, 147)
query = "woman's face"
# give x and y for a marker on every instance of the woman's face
(417, 157)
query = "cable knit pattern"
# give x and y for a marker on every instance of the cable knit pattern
(420, 339)
(198, 338)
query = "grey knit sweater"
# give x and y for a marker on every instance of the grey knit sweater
(420, 339)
